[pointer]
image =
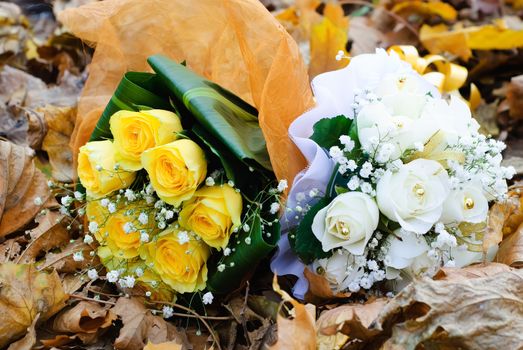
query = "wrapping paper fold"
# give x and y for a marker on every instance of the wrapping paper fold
(235, 43)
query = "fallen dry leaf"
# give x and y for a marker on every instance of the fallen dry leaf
(319, 288)
(23, 100)
(60, 125)
(29, 340)
(24, 293)
(364, 36)
(63, 261)
(141, 327)
(350, 321)
(468, 272)
(20, 185)
(327, 38)
(163, 346)
(476, 313)
(461, 40)
(511, 249)
(515, 97)
(10, 249)
(498, 215)
(87, 320)
(438, 8)
(50, 233)
(299, 331)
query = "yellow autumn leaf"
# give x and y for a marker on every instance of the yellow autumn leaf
(328, 38)
(25, 293)
(430, 8)
(461, 40)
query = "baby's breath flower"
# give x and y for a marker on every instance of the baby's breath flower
(92, 274)
(207, 298)
(88, 239)
(282, 186)
(167, 311)
(78, 256)
(112, 276)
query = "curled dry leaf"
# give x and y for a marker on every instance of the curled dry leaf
(319, 288)
(86, 319)
(497, 219)
(511, 249)
(475, 313)
(141, 327)
(24, 293)
(433, 8)
(348, 322)
(299, 331)
(20, 184)
(60, 125)
(49, 234)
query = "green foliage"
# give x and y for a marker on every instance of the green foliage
(327, 131)
(304, 243)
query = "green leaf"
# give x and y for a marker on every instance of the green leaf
(136, 91)
(244, 258)
(227, 117)
(306, 245)
(327, 131)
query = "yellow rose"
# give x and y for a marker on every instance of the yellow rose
(96, 169)
(175, 170)
(118, 231)
(213, 213)
(146, 279)
(182, 266)
(135, 132)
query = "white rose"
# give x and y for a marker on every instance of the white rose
(407, 253)
(453, 119)
(395, 120)
(468, 204)
(348, 222)
(339, 270)
(414, 195)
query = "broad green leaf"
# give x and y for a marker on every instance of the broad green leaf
(228, 118)
(244, 258)
(305, 244)
(136, 91)
(327, 131)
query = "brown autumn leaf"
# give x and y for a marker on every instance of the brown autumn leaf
(498, 215)
(11, 249)
(13, 32)
(364, 35)
(511, 249)
(60, 125)
(475, 313)
(141, 327)
(299, 331)
(49, 234)
(20, 185)
(63, 261)
(319, 288)
(468, 272)
(25, 293)
(23, 100)
(163, 346)
(350, 321)
(515, 97)
(87, 320)
(28, 341)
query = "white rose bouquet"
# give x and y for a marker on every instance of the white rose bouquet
(398, 184)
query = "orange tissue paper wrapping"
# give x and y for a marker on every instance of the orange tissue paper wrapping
(235, 43)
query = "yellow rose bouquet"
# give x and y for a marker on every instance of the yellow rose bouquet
(180, 196)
